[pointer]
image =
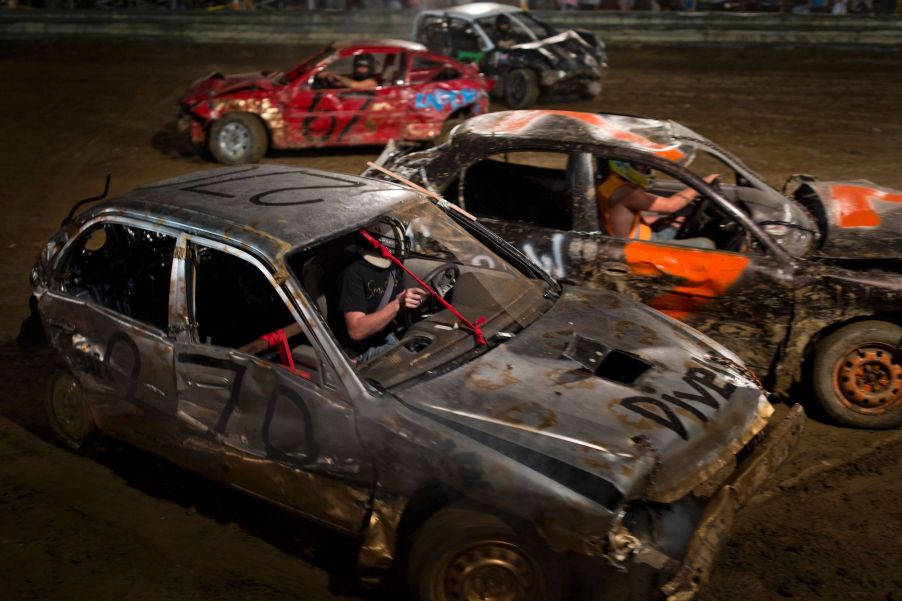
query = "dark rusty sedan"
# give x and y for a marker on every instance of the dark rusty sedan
(803, 284)
(521, 440)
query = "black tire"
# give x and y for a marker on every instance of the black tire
(857, 375)
(68, 413)
(521, 89)
(237, 138)
(462, 553)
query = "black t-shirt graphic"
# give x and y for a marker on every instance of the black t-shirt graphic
(361, 288)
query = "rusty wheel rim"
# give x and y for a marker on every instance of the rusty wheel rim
(489, 571)
(868, 379)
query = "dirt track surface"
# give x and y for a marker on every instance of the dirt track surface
(124, 525)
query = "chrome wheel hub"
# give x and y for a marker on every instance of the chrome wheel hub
(234, 140)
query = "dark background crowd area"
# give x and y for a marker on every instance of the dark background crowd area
(836, 7)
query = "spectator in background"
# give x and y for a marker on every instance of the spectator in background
(840, 7)
(626, 5)
(688, 5)
(817, 6)
(569, 4)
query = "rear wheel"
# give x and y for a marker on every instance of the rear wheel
(466, 555)
(67, 411)
(237, 138)
(857, 375)
(521, 89)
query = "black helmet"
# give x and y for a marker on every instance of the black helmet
(502, 23)
(364, 66)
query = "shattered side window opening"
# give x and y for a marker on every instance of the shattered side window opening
(124, 268)
(702, 224)
(536, 189)
(235, 305)
(383, 63)
(425, 70)
(463, 36)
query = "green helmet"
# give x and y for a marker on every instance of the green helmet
(637, 174)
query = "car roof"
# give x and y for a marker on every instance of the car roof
(476, 10)
(637, 133)
(270, 209)
(379, 43)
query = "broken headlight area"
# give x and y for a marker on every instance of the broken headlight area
(680, 541)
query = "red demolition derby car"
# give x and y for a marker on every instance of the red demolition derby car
(348, 93)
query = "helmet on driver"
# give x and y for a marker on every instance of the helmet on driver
(364, 66)
(633, 172)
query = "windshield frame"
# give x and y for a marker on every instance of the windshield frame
(531, 24)
(307, 64)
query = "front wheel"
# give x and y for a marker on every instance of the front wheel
(237, 138)
(521, 89)
(466, 555)
(857, 375)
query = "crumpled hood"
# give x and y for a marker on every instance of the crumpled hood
(859, 219)
(666, 408)
(217, 84)
(566, 50)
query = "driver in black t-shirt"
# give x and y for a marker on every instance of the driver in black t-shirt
(372, 295)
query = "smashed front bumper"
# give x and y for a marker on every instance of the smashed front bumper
(719, 516)
(572, 81)
(191, 125)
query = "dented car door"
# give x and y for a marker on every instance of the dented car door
(108, 307)
(248, 376)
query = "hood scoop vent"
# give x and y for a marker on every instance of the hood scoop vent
(607, 363)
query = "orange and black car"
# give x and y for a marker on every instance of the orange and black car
(803, 284)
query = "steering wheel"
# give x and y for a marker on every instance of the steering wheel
(696, 208)
(442, 280)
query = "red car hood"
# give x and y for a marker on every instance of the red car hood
(217, 84)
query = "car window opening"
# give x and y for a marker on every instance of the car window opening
(427, 70)
(125, 269)
(236, 306)
(536, 190)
